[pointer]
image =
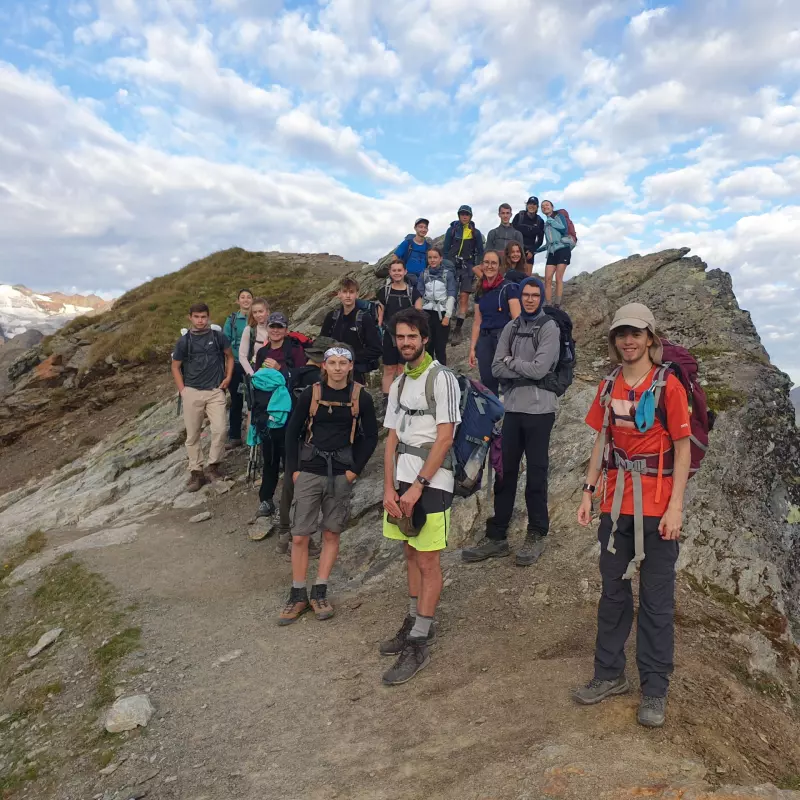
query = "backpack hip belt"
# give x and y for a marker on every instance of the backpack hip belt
(343, 455)
(423, 451)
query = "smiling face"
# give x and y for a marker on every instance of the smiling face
(421, 229)
(531, 298)
(338, 369)
(397, 272)
(533, 208)
(515, 254)
(276, 333)
(434, 259)
(245, 300)
(632, 344)
(547, 207)
(491, 265)
(410, 343)
(260, 313)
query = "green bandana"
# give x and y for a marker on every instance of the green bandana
(415, 372)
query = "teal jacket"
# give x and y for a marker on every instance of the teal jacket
(555, 229)
(234, 328)
(280, 403)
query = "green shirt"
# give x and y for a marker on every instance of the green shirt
(234, 331)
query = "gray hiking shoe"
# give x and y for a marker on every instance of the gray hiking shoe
(395, 645)
(532, 549)
(266, 508)
(652, 711)
(486, 548)
(597, 690)
(415, 656)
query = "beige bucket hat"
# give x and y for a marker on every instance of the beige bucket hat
(635, 315)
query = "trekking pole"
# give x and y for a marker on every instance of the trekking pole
(180, 405)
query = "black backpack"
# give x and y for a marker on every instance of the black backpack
(217, 341)
(560, 379)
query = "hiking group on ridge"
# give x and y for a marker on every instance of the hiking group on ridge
(310, 416)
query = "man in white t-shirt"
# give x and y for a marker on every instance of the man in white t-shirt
(421, 414)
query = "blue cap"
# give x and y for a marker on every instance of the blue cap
(276, 318)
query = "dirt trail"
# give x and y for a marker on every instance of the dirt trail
(302, 713)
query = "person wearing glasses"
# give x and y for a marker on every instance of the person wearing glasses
(528, 349)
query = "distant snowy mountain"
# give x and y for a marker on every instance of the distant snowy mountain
(23, 310)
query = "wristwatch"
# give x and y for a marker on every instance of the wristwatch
(589, 488)
(424, 481)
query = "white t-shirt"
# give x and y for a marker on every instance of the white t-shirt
(420, 430)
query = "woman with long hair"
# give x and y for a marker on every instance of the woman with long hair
(437, 285)
(255, 334)
(515, 267)
(496, 304)
(559, 252)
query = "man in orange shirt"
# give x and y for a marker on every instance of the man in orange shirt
(643, 450)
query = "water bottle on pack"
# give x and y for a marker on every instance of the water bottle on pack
(474, 465)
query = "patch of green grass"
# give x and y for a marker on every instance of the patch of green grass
(34, 543)
(106, 757)
(723, 398)
(118, 646)
(788, 782)
(11, 781)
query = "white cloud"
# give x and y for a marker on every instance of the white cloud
(758, 181)
(641, 22)
(597, 189)
(692, 184)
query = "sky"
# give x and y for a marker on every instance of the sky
(139, 135)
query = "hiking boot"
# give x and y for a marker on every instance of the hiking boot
(266, 508)
(214, 473)
(196, 481)
(295, 607)
(652, 711)
(395, 645)
(233, 444)
(532, 549)
(413, 658)
(486, 548)
(598, 690)
(282, 545)
(319, 602)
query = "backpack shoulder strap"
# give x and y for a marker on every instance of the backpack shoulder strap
(606, 390)
(514, 331)
(288, 347)
(316, 396)
(400, 387)
(430, 384)
(355, 408)
(218, 341)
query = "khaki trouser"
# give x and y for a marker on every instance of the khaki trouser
(196, 404)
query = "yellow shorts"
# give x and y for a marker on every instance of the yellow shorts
(433, 536)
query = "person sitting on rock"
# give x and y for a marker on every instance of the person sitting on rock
(399, 292)
(496, 304)
(529, 348)
(233, 328)
(418, 486)
(640, 513)
(202, 368)
(331, 436)
(356, 327)
(500, 237)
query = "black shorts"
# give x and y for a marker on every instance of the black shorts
(562, 256)
(391, 355)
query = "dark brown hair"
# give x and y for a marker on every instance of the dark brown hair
(412, 317)
(348, 283)
(199, 308)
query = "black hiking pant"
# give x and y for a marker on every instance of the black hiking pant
(273, 449)
(237, 403)
(528, 435)
(485, 349)
(655, 632)
(437, 343)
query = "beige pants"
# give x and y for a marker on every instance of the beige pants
(196, 404)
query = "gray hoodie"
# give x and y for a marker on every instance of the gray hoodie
(531, 357)
(500, 236)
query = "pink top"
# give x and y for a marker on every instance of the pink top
(244, 346)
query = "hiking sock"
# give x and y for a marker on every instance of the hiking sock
(321, 582)
(298, 584)
(412, 606)
(557, 301)
(422, 627)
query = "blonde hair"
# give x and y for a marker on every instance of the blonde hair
(257, 301)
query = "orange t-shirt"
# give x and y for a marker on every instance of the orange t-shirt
(625, 436)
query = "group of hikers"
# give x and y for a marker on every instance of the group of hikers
(310, 415)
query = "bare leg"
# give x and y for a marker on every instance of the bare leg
(330, 550)
(560, 270)
(299, 557)
(548, 282)
(463, 300)
(414, 577)
(430, 569)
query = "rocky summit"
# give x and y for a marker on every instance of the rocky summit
(492, 718)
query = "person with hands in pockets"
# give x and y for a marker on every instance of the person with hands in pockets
(422, 415)
(645, 459)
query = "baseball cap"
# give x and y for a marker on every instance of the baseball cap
(276, 318)
(532, 199)
(465, 210)
(422, 219)
(636, 315)
(317, 348)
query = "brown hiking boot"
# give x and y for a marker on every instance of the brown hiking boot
(320, 603)
(295, 607)
(214, 473)
(196, 481)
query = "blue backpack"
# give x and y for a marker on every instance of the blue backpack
(481, 412)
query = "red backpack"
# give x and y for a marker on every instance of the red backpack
(571, 232)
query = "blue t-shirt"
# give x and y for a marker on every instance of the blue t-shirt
(415, 255)
(494, 305)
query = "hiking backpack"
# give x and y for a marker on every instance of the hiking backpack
(561, 377)
(353, 404)
(481, 413)
(216, 332)
(363, 307)
(572, 234)
(387, 287)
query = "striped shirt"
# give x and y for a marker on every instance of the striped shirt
(420, 430)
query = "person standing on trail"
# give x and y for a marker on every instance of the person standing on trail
(255, 334)
(529, 348)
(280, 351)
(202, 367)
(438, 287)
(641, 514)
(559, 252)
(233, 329)
(496, 304)
(356, 327)
(499, 237)
(413, 250)
(422, 415)
(463, 246)
(331, 436)
(531, 226)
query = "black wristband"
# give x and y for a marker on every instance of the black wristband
(424, 481)
(588, 488)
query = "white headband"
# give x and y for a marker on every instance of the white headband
(338, 351)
